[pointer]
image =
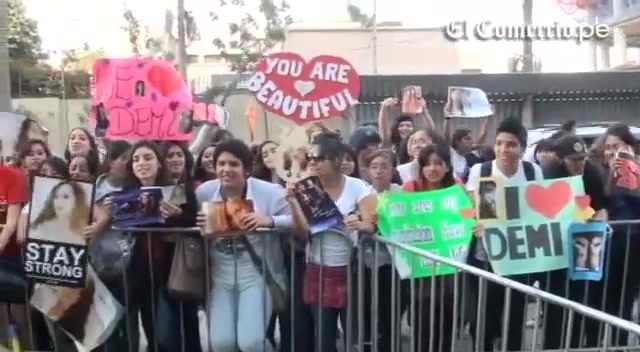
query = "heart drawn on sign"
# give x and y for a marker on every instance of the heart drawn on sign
(468, 213)
(304, 87)
(550, 200)
(583, 202)
(303, 91)
(165, 79)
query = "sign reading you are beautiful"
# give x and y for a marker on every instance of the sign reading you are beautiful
(288, 86)
(136, 99)
(532, 235)
(439, 221)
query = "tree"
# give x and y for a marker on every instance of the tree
(249, 38)
(25, 51)
(356, 15)
(252, 36)
(23, 39)
(81, 60)
(133, 29)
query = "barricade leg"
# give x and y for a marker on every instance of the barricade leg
(298, 321)
(326, 322)
(382, 304)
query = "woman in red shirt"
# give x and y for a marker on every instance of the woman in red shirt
(435, 172)
(13, 195)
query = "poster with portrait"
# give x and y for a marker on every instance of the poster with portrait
(289, 158)
(137, 207)
(87, 314)
(587, 252)
(56, 249)
(412, 100)
(489, 200)
(224, 218)
(175, 194)
(467, 103)
(319, 209)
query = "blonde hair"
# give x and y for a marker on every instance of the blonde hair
(79, 215)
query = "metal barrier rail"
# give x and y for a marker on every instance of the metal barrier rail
(358, 332)
(577, 307)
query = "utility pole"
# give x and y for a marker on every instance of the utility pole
(374, 40)
(182, 41)
(5, 66)
(527, 49)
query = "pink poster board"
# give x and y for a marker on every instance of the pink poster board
(136, 99)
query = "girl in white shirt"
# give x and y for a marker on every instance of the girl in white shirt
(330, 252)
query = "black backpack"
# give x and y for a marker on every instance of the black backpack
(486, 169)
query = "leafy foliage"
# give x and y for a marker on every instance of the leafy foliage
(250, 36)
(356, 15)
(23, 39)
(133, 29)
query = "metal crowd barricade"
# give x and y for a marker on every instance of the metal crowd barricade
(205, 341)
(385, 313)
(457, 323)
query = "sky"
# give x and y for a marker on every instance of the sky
(72, 23)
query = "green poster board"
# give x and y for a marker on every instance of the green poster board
(531, 234)
(438, 221)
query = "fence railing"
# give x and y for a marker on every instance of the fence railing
(344, 294)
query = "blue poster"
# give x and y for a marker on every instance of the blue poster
(137, 207)
(588, 248)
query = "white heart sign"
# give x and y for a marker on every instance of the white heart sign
(304, 87)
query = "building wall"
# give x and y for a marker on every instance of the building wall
(399, 50)
(59, 117)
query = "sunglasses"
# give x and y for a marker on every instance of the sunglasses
(316, 157)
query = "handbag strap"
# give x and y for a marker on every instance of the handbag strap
(255, 258)
(257, 261)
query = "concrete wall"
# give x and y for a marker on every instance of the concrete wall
(61, 116)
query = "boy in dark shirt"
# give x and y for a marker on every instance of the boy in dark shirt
(571, 160)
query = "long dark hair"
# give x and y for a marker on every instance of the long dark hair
(351, 153)
(260, 170)
(162, 179)
(395, 135)
(75, 317)
(23, 133)
(93, 146)
(199, 173)
(58, 165)
(188, 158)
(441, 148)
(624, 133)
(26, 149)
(115, 149)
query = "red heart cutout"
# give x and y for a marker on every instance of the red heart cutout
(550, 200)
(303, 92)
(468, 213)
(583, 202)
(165, 79)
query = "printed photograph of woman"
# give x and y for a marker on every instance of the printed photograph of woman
(147, 204)
(488, 206)
(458, 102)
(60, 210)
(224, 216)
(587, 251)
(86, 313)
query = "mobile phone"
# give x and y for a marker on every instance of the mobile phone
(623, 154)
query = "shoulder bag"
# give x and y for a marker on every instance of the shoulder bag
(187, 276)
